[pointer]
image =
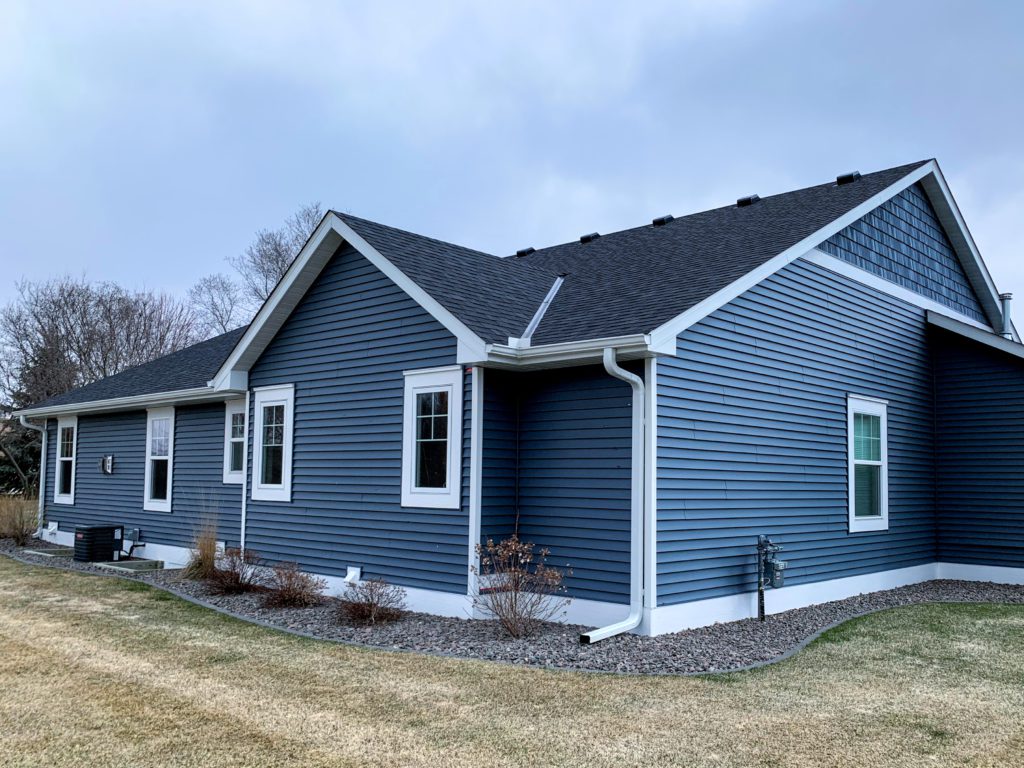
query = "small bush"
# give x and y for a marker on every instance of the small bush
(371, 602)
(202, 563)
(520, 589)
(291, 588)
(237, 572)
(18, 520)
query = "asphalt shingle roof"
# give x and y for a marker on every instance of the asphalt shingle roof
(624, 283)
(185, 369)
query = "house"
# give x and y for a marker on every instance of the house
(832, 367)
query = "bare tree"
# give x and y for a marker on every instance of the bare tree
(268, 257)
(67, 332)
(217, 301)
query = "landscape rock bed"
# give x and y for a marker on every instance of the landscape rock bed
(720, 647)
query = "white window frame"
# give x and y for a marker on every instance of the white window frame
(65, 498)
(150, 504)
(870, 406)
(264, 396)
(231, 409)
(447, 379)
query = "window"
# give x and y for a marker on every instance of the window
(159, 459)
(431, 439)
(64, 471)
(868, 464)
(272, 454)
(234, 441)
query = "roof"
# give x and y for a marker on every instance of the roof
(624, 283)
(189, 368)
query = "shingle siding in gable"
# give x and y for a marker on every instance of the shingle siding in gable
(345, 348)
(117, 499)
(752, 435)
(902, 241)
(980, 436)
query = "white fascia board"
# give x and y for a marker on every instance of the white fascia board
(135, 402)
(846, 269)
(663, 338)
(982, 336)
(314, 256)
(568, 353)
(953, 223)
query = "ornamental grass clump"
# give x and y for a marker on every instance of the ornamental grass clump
(291, 588)
(238, 571)
(518, 587)
(202, 562)
(17, 520)
(373, 601)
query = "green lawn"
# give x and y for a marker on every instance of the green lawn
(98, 672)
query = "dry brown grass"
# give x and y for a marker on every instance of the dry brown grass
(100, 673)
(18, 519)
(202, 562)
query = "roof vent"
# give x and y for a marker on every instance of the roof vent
(590, 238)
(662, 220)
(525, 251)
(743, 202)
(847, 178)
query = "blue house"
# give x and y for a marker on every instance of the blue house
(832, 367)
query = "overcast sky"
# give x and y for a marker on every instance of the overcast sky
(146, 142)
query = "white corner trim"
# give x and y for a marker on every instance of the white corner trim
(862, 276)
(283, 394)
(232, 408)
(158, 505)
(476, 461)
(68, 499)
(450, 380)
(651, 482)
(245, 475)
(664, 337)
(524, 340)
(325, 241)
(870, 406)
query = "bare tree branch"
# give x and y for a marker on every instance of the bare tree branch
(217, 300)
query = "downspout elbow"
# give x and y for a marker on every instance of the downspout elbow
(632, 621)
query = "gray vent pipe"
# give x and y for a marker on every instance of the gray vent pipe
(1005, 299)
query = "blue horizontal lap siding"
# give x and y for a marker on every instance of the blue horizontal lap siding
(573, 457)
(903, 242)
(752, 435)
(979, 396)
(345, 348)
(198, 489)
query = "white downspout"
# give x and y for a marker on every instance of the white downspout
(245, 477)
(42, 472)
(637, 507)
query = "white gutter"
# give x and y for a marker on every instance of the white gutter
(569, 352)
(637, 508)
(134, 402)
(42, 471)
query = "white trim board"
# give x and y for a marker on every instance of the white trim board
(325, 241)
(476, 462)
(982, 336)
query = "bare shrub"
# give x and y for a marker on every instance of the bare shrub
(371, 602)
(291, 588)
(519, 588)
(237, 571)
(17, 520)
(202, 563)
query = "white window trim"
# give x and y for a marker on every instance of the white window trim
(58, 497)
(871, 406)
(232, 408)
(264, 396)
(159, 505)
(448, 378)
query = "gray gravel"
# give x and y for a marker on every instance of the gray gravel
(720, 647)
